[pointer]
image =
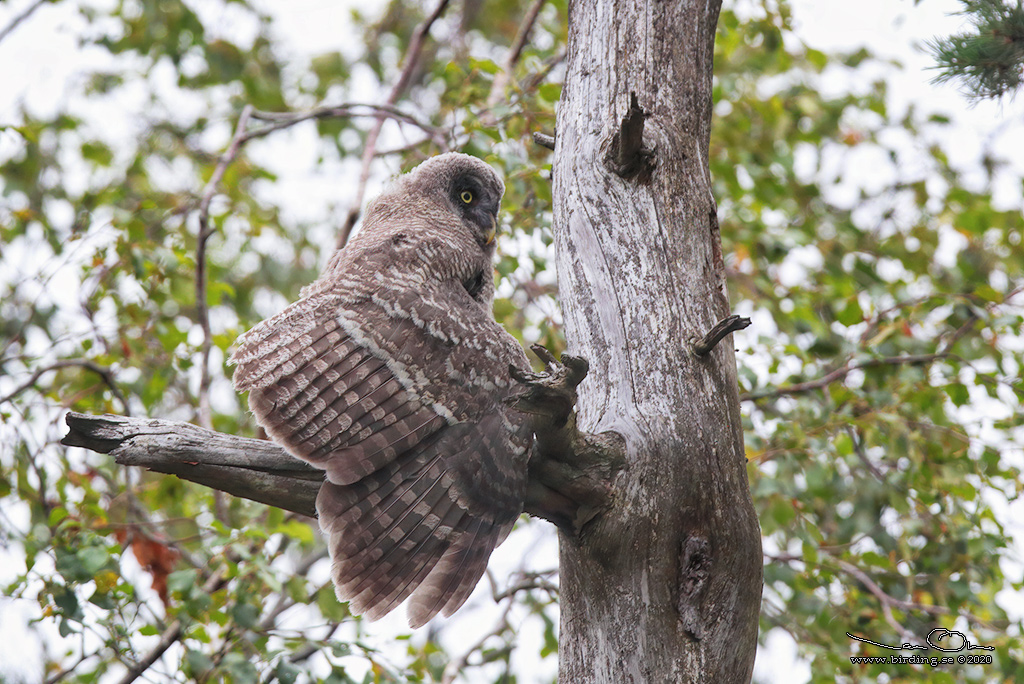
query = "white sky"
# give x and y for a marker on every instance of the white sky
(41, 58)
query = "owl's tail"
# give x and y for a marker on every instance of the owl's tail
(401, 532)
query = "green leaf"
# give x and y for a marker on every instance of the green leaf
(989, 293)
(958, 393)
(240, 668)
(551, 92)
(286, 672)
(182, 581)
(93, 559)
(851, 313)
(245, 615)
(197, 663)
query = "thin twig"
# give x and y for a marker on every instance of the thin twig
(454, 667)
(170, 635)
(26, 13)
(849, 366)
(858, 448)
(546, 68)
(842, 372)
(284, 602)
(887, 601)
(535, 581)
(64, 672)
(103, 371)
(348, 110)
(515, 51)
(202, 310)
(412, 58)
(306, 652)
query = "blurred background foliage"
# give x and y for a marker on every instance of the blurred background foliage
(880, 381)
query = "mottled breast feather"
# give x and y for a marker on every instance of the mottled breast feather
(389, 374)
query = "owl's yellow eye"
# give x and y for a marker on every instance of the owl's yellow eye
(466, 196)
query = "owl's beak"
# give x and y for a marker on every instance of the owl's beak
(492, 231)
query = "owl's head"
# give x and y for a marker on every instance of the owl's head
(464, 185)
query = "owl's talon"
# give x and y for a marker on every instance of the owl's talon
(573, 369)
(544, 354)
(550, 393)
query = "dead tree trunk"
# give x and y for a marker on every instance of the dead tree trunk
(665, 586)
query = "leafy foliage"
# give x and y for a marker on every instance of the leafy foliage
(880, 380)
(888, 326)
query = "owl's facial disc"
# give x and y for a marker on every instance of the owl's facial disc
(477, 203)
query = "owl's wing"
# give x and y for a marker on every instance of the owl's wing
(425, 468)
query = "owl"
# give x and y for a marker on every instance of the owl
(389, 373)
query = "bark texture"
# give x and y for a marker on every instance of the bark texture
(666, 585)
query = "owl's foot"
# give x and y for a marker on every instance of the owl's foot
(552, 392)
(570, 471)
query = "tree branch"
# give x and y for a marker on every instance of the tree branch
(544, 140)
(725, 326)
(18, 19)
(105, 373)
(282, 120)
(546, 68)
(251, 468)
(515, 51)
(202, 310)
(842, 372)
(886, 600)
(169, 636)
(456, 665)
(412, 57)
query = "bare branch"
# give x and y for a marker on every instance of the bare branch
(222, 164)
(284, 601)
(412, 58)
(725, 326)
(105, 373)
(887, 601)
(202, 310)
(169, 636)
(570, 475)
(502, 79)
(527, 582)
(64, 672)
(455, 666)
(842, 372)
(546, 68)
(251, 468)
(307, 651)
(544, 140)
(25, 14)
(945, 352)
(282, 120)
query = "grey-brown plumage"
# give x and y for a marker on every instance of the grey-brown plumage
(389, 373)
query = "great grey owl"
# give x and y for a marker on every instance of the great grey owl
(389, 373)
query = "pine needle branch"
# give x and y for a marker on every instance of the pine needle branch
(988, 60)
